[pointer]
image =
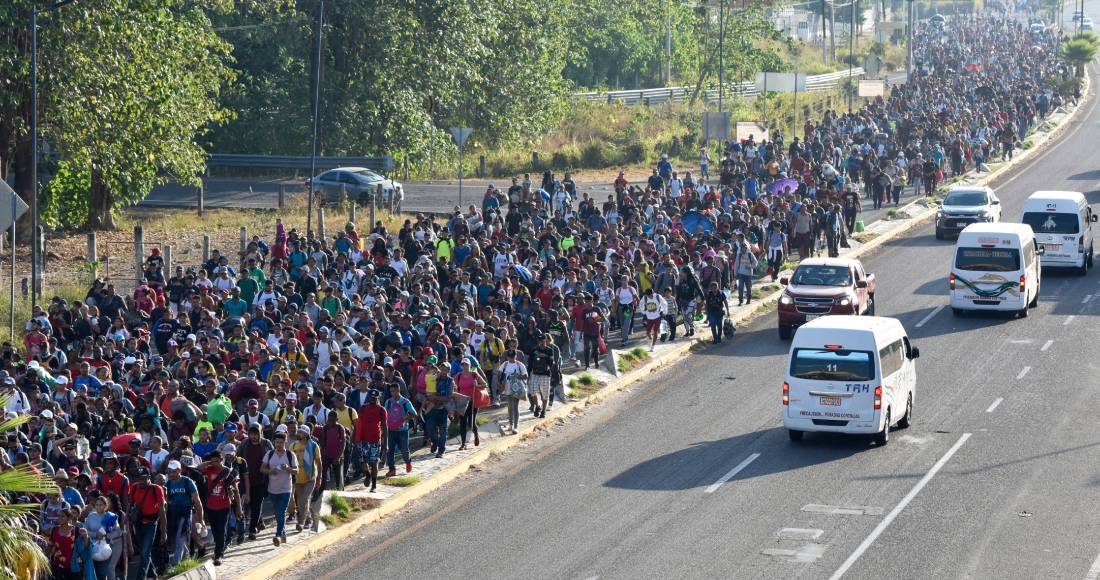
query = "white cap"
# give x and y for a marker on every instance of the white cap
(280, 429)
(62, 380)
(185, 355)
(192, 337)
(174, 465)
(47, 414)
(33, 364)
(129, 360)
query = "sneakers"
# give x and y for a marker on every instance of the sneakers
(275, 540)
(408, 469)
(434, 447)
(217, 561)
(298, 528)
(251, 536)
(393, 472)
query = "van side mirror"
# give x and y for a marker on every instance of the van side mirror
(784, 281)
(861, 284)
(1041, 250)
(1095, 217)
(996, 202)
(915, 352)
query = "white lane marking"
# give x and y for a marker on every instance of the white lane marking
(897, 509)
(732, 473)
(1086, 299)
(1022, 373)
(1094, 571)
(994, 405)
(1047, 345)
(1069, 320)
(929, 317)
(1028, 341)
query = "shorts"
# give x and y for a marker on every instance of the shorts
(653, 324)
(539, 384)
(370, 452)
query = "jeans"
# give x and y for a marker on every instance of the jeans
(398, 440)
(744, 287)
(281, 501)
(626, 318)
(513, 412)
(670, 320)
(146, 535)
(715, 321)
(591, 349)
(437, 427)
(255, 505)
(179, 533)
(468, 421)
(219, 526)
(101, 567)
(578, 343)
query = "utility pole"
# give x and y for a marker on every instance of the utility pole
(721, 50)
(909, 40)
(832, 37)
(824, 37)
(668, 45)
(851, 51)
(316, 104)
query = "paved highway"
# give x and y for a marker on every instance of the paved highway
(692, 476)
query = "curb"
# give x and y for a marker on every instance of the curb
(291, 556)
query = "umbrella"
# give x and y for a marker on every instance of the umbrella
(693, 219)
(523, 273)
(937, 18)
(780, 185)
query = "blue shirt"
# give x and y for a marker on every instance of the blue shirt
(179, 494)
(750, 188)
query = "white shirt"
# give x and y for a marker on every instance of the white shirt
(654, 307)
(675, 187)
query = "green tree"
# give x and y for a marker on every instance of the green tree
(1078, 53)
(16, 541)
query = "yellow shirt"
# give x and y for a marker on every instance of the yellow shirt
(346, 418)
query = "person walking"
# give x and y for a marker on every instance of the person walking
(626, 301)
(280, 466)
(150, 520)
(371, 435)
(745, 266)
(467, 382)
(513, 384)
(183, 503)
(777, 249)
(687, 291)
(716, 306)
(592, 316)
(654, 308)
(309, 477)
(253, 450)
(541, 364)
(399, 411)
(334, 439)
(221, 499)
(833, 219)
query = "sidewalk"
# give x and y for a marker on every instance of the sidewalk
(259, 558)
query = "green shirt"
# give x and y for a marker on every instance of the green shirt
(248, 288)
(258, 275)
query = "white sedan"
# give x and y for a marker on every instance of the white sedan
(356, 180)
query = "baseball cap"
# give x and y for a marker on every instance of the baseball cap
(303, 429)
(253, 403)
(291, 397)
(230, 427)
(47, 414)
(174, 465)
(280, 429)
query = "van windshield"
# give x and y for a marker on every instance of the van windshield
(1052, 223)
(987, 259)
(832, 364)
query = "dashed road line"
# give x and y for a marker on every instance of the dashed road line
(732, 473)
(1069, 320)
(1047, 345)
(994, 405)
(930, 315)
(898, 509)
(1086, 299)
(1094, 570)
(1022, 373)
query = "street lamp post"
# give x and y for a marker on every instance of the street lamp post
(34, 145)
(316, 104)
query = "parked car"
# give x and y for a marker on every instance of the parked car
(1086, 23)
(963, 206)
(821, 286)
(359, 182)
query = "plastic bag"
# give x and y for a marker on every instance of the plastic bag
(219, 409)
(101, 550)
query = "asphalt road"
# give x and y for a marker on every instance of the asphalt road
(996, 479)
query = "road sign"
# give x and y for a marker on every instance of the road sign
(461, 134)
(716, 126)
(6, 196)
(429, 105)
(881, 36)
(746, 129)
(781, 82)
(872, 64)
(871, 88)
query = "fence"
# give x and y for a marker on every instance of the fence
(676, 95)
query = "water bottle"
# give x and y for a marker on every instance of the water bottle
(83, 450)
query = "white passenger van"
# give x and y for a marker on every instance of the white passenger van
(1062, 222)
(849, 374)
(996, 267)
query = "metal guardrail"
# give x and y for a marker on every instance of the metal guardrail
(384, 163)
(680, 94)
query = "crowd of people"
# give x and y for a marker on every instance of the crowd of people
(175, 414)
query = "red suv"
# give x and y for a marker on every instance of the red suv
(821, 286)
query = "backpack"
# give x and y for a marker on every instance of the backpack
(396, 420)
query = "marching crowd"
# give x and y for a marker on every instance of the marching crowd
(169, 416)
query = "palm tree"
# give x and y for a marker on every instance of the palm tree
(16, 539)
(1078, 53)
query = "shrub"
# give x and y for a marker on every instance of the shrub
(594, 155)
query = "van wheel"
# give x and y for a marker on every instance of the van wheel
(795, 435)
(1034, 300)
(870, 305)
(1085, 265)
(1025, 311)
(1090, 258)
(785, 331)
(958, 311)
(883, 437)
(907, 420)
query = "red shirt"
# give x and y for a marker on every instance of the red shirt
(368, 428)
(118, 484)
(147, 499)
(219, 493)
